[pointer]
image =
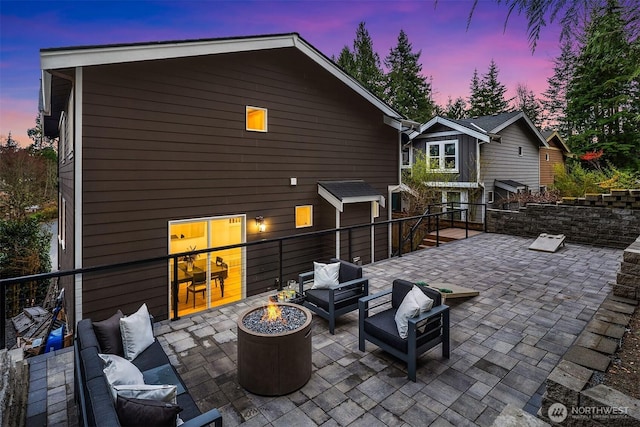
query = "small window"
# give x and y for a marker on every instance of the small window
(257, 119)
(546, 156)
(490, 197)
(520, 151)
(304, 216)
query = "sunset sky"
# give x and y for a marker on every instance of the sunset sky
(450, 51)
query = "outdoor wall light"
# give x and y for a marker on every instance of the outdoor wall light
(260, 223)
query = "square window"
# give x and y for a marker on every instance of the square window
(442, 156)
(256, 119)
(304, 216)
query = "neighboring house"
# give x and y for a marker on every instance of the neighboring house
(167, 146)
(555, 154)
(488, 158)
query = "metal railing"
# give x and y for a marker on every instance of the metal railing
(279, 241)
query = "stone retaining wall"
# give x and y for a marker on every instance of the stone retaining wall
(14, 380)
(609, 220)
(628, 279)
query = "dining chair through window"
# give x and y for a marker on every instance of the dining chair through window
(198, 285)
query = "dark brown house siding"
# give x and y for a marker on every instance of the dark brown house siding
(166, 140)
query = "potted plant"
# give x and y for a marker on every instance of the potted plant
(190, 259)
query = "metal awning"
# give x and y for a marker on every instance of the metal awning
(510, 185)
(338, 193)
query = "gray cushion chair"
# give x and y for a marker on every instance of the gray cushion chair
(332, 303)
(377, 325)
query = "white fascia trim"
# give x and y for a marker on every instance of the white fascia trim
(445, 184)
(462, 129)
(438, 134)
(330, 198)
(534, 129)
(152, 51)
(328, 65)
(45, 83)
(77, 203)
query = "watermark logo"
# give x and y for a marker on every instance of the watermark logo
(557, 412)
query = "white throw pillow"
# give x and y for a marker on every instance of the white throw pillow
(137, 333)
(423, 300)
(120, 371)
(164, 392)
(408, 308)
(325, 276)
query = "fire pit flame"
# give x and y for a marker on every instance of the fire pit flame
(273, 313)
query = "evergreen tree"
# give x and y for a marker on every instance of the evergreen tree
(526, 102)
(455, 109)
(367, 62)
(477, 97)
(10, 144)
(494, 91)
(346, 61)
(603, 95)
(406, 89)
(487, 95)
(555, 97)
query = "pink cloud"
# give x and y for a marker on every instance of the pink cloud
(17, 119)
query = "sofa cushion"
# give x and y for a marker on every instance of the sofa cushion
(164, 392)
(348, 271)
(383, 326)
(325, 276)
(152, 357)
(320, 297)
(137, 332)
(145, 412)
(119, 370)
(108, 334)
(85, 335)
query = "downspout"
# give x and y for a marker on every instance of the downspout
(77, 159)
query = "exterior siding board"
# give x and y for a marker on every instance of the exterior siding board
(466, 155)
(166, 140)
(547, 167)
(500, 160)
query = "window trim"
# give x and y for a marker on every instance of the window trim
(299, 208)
(441, 156)
(250, 108)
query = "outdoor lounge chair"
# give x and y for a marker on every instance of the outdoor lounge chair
(381, 329)
(340, 299)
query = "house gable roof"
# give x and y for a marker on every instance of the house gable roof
(68, 57)
(484, 128)
(554, 139)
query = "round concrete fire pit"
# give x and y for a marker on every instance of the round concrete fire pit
(274, 358)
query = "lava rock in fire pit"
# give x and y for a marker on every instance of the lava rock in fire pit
(291, 319)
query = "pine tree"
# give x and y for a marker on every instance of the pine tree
(406, 89)
(526, 102)
(346, 61)
(367, 62)
(487, 95)
(554, 99)
(494, 91)
(477, 98)
(455, 109)
(603, 95)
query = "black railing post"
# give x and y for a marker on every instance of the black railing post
(437, 230)
(175, 286)
(411, 240)
(400, 225)
(466, 223)
(451, 215)
(279, 265)
(3, 312)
